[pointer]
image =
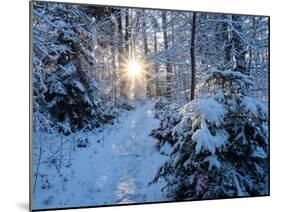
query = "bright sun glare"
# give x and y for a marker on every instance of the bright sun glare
(134, 68)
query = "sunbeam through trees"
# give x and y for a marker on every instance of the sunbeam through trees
(134, 105)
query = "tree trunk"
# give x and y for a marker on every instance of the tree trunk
(168, 64)
(145, 45)
(239, 47)
(114, 78)
(225, 38)
(127, 33)
(156, 71)
(192, 57)
(120, 58)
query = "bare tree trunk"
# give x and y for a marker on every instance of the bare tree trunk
(225, 37)
(113, 80)
(255, 24)
(168, 64)
(174, 81)
(130, 31)
(127, 33)
(156, 71)
(127, 53)
(145, 45)
(120, 58)
(239, 47)
(192, 57)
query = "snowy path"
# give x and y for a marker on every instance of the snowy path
(118, 168)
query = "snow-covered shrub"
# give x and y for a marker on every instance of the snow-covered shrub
(220, 144)
(161, 103)
(169, 116)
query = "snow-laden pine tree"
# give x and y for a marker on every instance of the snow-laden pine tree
(63, 64)
(220, 144)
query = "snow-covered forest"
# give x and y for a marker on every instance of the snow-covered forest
(143, 105)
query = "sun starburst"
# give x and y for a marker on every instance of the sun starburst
(134, 69)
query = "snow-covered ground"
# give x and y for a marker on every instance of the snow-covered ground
(115, 169)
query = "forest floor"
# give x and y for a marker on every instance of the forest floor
(115, 169)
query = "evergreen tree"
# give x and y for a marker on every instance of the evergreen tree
(63, 42)
(220, 145)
